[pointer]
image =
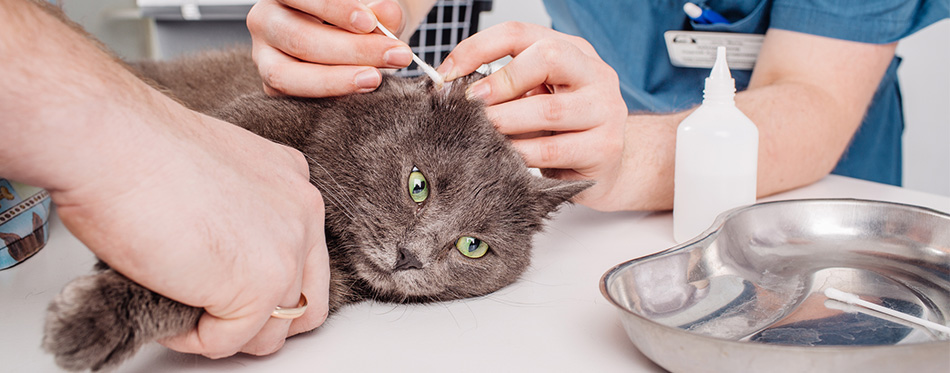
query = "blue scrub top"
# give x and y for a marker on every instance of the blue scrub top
(628, 35)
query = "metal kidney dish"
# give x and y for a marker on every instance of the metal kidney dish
(747, 295)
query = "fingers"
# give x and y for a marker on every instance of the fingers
(487, 46)
(569, 150)
(559, 102)
(243, 327)
(316, 285)
(305, 48)
(565, 67)
(390, 14)
(257, 333)
(555, 83)
(313, 281)
(573, 111)
(314, 266)
(506, 39)
(350, 15)
(282, 74)
(583, 89)
(217, 338)
(270, 338)
(587, 151)
(307, 38)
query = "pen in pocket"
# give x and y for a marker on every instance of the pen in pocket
(704, 16)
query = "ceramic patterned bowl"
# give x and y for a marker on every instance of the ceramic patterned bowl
(24, 212)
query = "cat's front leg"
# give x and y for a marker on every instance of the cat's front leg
(100, 320)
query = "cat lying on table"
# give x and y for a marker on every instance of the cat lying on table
(425, 201)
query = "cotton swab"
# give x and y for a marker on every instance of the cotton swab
(849, 298)
(436, 77)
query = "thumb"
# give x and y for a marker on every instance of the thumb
(215, 337)
(390, 14)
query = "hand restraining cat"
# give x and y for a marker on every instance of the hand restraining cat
(425, 201)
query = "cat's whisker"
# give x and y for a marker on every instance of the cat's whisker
(517, 303)
(333, 197)
(325, 188)
(330, 177)
(449, 309)
(339, 188)
(339, 194)
(349, 289)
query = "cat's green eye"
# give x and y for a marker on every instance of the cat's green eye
(418, 187)
(471, 247)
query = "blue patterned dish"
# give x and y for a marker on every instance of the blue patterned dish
(24, 228)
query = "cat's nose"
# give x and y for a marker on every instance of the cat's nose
(405, 260)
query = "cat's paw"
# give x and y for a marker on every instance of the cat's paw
(84, 330)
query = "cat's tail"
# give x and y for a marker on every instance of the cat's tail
(98, 321)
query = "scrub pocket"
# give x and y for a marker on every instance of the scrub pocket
(742, 20)
(24, 225)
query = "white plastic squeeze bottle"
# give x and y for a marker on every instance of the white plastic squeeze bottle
(717, 149)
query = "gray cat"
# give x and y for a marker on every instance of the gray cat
(425, 201)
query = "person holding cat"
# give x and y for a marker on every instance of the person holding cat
(599, 99)
(181, 202)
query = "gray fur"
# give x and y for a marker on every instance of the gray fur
(361, 150)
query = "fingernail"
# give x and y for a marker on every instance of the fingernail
(363, 21)
(368, 79)
(398, 56)
(446, 69)
(478, 91)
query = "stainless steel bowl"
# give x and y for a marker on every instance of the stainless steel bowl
(747, 294)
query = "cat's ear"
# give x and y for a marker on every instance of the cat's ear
(458, 86)
(467, 80)
(553, 192)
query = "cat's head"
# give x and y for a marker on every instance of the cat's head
(427, 198)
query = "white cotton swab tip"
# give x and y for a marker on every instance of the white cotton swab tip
(849, 298)
(839, 295)
(434, 75)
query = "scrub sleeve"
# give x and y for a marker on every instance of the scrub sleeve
(628, 35)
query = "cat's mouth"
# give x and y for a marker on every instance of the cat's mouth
(400, 282)
(415, 283)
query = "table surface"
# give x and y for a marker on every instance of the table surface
(553, 319)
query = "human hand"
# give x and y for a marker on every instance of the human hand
(325, 47)
(214, 217)
(557, 99)
(193, 208)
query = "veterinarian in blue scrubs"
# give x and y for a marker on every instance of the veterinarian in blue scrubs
(649, 82)
(600, 99)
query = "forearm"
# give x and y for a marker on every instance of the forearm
(188, 206)
(801, 137)
(802, 133)
(70, 109)
(807, 96)
(649, 150)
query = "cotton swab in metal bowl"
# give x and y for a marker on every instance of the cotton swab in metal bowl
(849, 298)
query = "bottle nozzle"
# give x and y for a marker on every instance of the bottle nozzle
(719, 84)
(720, 69)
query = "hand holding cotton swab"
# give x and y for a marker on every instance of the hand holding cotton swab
(849, 298)
(436, 77)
